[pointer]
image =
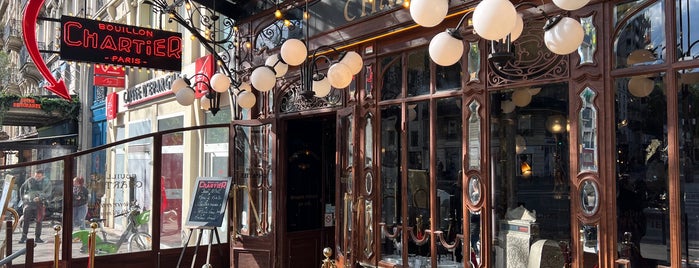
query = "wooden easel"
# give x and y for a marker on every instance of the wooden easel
(212, 231)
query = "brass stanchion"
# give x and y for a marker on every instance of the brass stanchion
(56, 244)
(328, 263)
(91, 245)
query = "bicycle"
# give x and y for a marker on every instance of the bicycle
(136, 240)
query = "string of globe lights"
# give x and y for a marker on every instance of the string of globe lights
(204, 30)
(240, 81)
(497, 21)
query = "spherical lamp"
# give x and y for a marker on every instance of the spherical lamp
(507, 106)
(205, 103)
(321, 85)
(428, 13)
(279, 66)
(519, 27)
(534, 90)
(556, 124)
(564, 37)
(521, 97)
(494, 19)
(245, 86)
(220, 82)
(445, 49)
(246, 99)
(570, 4)
(640, 86)
(294, 52)
(185, 96)
(263, 78)
(353, 61)
(178, 84)
(339, 75)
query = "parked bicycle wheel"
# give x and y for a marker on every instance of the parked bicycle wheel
(139, 242)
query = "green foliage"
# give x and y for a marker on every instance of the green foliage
(58, 107)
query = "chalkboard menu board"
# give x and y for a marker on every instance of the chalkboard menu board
(209, 202)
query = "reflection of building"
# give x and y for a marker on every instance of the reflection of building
(32, 124)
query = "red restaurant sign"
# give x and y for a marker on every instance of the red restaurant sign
(109, 76)
(110, 43)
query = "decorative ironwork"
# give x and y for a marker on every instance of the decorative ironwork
(531, 60)
(294, 99)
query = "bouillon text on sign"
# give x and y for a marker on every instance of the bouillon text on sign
(119, 44)
(209, 202)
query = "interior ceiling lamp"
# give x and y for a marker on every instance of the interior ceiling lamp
(524, 167)
(294, 52)
(556, 124)
(641, 86)
(201, 23)
(498, 21)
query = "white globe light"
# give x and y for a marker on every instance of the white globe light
(321, 85)
(519, 27)
(412, 114)
(294, 52)
(220, 82)
(534, 90)
(263, 78)
(339, 75)
(570, 4)
(245, 86)
(205, 103)
(507, 106)
(353, 61)
(564, 37)
(445, 49)
(521, 97)
(246, 99)
(178, 84)
(185, 96)
(428, 13)
(640, 86)
(494, 19)
(275, 62)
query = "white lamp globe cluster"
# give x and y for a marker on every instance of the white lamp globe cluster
(185, 95)
(495, 20)
(294, 52)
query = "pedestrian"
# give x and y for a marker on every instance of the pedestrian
(35, 192)
(80, 198)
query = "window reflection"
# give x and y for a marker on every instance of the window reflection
(686, 29)
(641, 38)
(419, 73)
(449, 178)
(391, 217)
(392, 76)
(688, 137)
(540, 201)
(642, 182)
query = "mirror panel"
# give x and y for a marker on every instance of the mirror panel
(589, 45)
(587, 124)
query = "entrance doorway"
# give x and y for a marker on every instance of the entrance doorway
(309, 161)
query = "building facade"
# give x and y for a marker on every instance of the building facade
(577, 160)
